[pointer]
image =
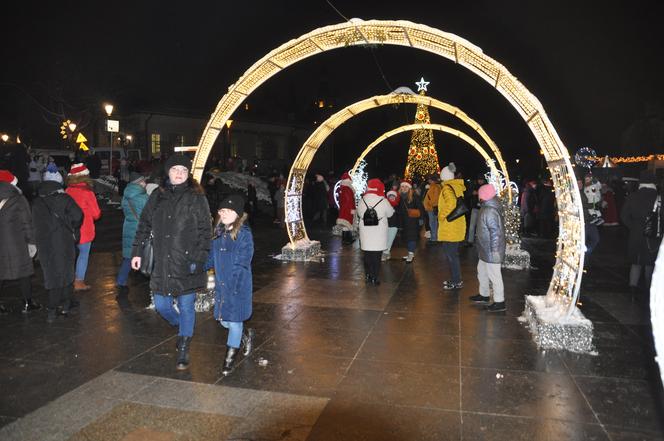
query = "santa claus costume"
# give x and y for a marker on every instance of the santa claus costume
(346, 208)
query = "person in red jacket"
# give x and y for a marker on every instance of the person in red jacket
(81, 189)
(346, 208)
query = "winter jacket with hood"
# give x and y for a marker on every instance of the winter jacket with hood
(16, 233)
(374, 237)
(454, 231)
(133, 201)
(179, 218)
(490, 235)
(87, 201)
(430, 200)
(57, 221)
(411, 225)
(231, 260)
(640, 249)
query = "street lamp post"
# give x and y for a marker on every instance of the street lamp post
(109, 110)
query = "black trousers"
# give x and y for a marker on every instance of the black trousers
(23, 284)
(372, 263)
(60, 297)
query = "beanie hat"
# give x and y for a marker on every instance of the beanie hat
(135, 178)
(233, 202)
(178, 160)
(448, 172)
(8, 177)
(52, 174)
(78, 170)
(375, 186)
(647, 177)
(393, 197)
(486, 192)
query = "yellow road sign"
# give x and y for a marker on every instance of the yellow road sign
(80, 138)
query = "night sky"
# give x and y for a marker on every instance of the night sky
(595, 66)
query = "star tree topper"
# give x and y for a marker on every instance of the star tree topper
(422, 85)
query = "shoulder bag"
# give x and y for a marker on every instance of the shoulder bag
(459, 210)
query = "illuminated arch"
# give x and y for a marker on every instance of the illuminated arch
(296, 176)
(438, 127)
(568, 270)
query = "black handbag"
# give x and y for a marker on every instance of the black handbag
(652, 227)
(147, 255)
(458, 211)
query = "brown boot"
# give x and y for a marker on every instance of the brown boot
(79, 285)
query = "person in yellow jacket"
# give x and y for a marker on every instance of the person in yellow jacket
(451, 234)
(431, 205)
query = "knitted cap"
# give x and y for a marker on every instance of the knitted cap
(233, 202)
(178, 159)
(8, 177)
(52, 174)
(78, 170)
(486, 192)
(447, 173)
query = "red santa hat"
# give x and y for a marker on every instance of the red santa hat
(393, 197)
(79, 170)
(375, 186)
(345, 176)
(407, 182)
(7, 176)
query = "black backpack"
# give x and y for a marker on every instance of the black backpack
(370, 217)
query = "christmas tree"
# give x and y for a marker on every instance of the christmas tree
(422, 156)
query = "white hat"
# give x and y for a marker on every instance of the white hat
(447, 173)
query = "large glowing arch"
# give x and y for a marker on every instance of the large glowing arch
(568, 270)
(438, 127)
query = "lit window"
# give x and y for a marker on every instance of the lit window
(155, 142)
(179, 140)
(246, 106)
(321, 104)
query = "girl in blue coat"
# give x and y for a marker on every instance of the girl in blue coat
(230, 255)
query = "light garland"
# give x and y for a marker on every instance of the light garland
(630, 159)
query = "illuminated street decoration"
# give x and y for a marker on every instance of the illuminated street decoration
(566, 281)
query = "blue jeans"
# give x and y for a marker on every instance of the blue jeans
(186, 319)
(82, 260)
(411, 245)
(123, 273)
(433, 225)
(451, 250)
(391, 234)
(592, 238)
(234, 333)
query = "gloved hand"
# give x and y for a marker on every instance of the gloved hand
(32, 250)
(427, 234)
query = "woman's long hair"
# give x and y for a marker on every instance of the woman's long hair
(235, 226)
(77, 179)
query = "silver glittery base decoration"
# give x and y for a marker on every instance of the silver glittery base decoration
(301, 251)
(337, 230)
(516, 258)
(553, 329)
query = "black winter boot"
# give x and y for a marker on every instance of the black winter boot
(247, 341)
(229, 360)
(183, 353)
(30, 305)
(347, 237)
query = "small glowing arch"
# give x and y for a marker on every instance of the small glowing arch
(438, 127)
(297, 175)
(568, 270)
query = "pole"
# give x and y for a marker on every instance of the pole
(110, 158)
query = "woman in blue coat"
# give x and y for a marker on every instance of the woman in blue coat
(230, 254)
(133, 201)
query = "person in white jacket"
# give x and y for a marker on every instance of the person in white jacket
(373, 235)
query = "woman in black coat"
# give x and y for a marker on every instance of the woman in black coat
(641, 251)
(17, 239)
(57, 221)
(411, 215)
(178, 216)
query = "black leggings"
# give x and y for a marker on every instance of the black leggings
(23, 284)
(60, 297)
(372, 263)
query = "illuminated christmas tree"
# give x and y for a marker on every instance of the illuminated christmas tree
(422, 156)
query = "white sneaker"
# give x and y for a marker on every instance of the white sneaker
(385, 257)
(410, 257)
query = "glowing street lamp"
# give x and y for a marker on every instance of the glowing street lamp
(4, 137)
(129, 138)
(109, 109)
(72, 126)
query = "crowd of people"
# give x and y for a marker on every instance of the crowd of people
(175, 230)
